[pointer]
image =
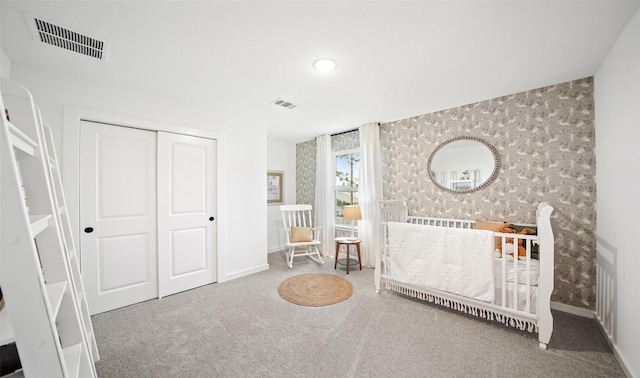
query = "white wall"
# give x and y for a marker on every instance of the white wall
(5, 64)
(243, 148)
(617, 99)
(281, 156)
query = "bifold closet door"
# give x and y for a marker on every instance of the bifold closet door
(118, 215)
(186, 212)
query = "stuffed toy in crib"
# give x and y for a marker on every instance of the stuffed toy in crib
(522, 252)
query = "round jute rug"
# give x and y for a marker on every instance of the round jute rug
(315, 290)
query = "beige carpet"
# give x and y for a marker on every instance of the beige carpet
(315, 290)
(242, 328)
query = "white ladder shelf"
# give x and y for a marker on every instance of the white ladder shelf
(39, 268)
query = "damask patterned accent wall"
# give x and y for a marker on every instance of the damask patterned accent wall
(306, 172)
(545, 138)
(306, 163)
(345, 141)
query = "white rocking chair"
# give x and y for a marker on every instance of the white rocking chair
(300, 233)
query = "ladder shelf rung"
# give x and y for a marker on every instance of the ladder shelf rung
(21, 141)
(92, 345)
(72, 255)
(72, 359)
(39, 223)
(55, 291)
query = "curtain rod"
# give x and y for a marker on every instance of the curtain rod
(345, 132)
(349, 131)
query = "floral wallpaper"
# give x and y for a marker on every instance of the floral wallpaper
(306, 172)
(306, 163)
(345, 141)
(545, 138)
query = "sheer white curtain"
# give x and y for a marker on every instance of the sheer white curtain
(323, 207)
(370, 192)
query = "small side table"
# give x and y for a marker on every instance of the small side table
(348, 242)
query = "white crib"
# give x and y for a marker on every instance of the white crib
(521, 300)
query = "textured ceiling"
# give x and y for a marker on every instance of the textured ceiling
(395, 59)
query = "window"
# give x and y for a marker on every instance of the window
(347, 164)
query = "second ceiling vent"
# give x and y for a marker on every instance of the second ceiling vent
(284, 103)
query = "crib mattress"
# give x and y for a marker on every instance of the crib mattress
(534, 271)
(522, 289)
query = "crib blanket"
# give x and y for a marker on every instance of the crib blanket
(458, 261)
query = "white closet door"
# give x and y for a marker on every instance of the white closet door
(186, 212)
(117, 215)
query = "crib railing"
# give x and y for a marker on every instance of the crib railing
(442, 222)
(515, 240)
(393, 211)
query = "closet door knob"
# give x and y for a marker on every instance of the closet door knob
(88, 230)
(211, 219)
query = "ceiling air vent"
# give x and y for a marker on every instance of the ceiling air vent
(60, 36)
(284, 103)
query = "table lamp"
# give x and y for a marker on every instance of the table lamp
(352, 213)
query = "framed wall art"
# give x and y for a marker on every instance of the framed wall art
(275, 187)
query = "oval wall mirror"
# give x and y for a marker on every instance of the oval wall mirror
(463, 165)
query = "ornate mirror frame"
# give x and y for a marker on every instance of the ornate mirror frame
(484, 184)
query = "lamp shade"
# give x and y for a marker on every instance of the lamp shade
(352, 212)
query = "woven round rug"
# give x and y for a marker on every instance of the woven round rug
(315, 290)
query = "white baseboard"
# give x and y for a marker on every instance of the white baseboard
(573, 310)
(245, 273)
(275, 249)
(612, 346)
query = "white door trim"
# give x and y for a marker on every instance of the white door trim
(71, 117)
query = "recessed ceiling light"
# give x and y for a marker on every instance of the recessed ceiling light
(324, 65)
